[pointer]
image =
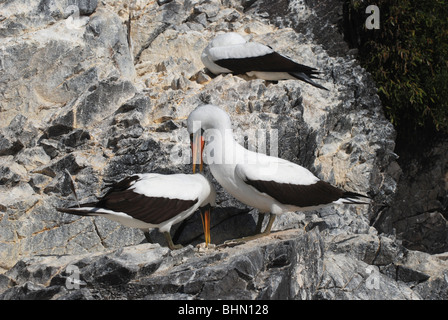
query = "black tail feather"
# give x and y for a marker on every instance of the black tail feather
(307, 78)
(354, 198)
(78, 210)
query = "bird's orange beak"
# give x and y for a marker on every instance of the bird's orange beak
(197, 146)
(206, 225)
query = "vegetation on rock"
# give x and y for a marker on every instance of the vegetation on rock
(407, 57)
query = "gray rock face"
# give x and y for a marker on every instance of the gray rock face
(289, 264)
(419, 213)
(92, 96)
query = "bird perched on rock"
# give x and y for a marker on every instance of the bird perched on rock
(152, 200)
(231, 53)
(270, 184)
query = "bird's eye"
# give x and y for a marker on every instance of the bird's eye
(192, 135)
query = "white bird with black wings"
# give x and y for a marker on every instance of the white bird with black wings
(152, 200)
(231, 53)
(270, 184)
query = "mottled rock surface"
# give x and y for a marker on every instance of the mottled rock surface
(290, 264)
(99, 96)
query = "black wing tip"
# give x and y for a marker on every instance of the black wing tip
(308, 79)
(355, 198)
(355, 194)
(72, 211)
(77, 210)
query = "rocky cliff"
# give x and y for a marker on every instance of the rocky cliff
(102, 89)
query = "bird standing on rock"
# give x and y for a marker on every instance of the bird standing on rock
(270, 184)
(152, 200)
(231, 53)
